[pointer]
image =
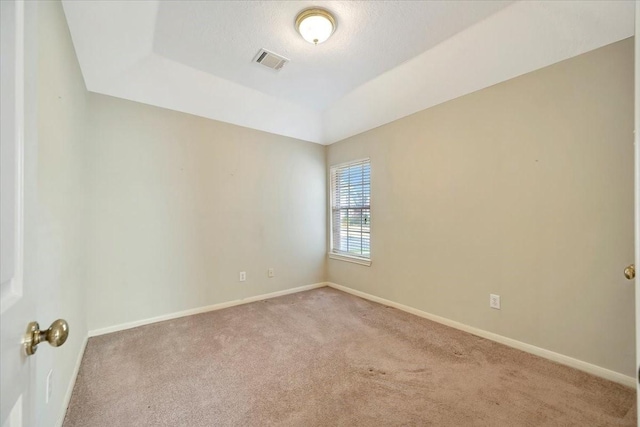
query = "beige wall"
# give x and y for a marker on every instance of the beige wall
(181, 205)
(56, 264)
(524, 189)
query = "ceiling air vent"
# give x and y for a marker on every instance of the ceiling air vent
(270, 59)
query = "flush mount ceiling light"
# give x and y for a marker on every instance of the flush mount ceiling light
(315, 25)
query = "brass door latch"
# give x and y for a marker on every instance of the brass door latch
(56, 335)
(630, 272)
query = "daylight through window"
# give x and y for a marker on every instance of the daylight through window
(350, 209)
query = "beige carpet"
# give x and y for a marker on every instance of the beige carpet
(323, 358)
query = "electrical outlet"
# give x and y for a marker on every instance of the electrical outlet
(494, 301)
(49, 386)
(243, 276)
(271, 272)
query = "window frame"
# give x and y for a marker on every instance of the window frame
(337, 255)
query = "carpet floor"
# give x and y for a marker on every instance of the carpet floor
(327, 358)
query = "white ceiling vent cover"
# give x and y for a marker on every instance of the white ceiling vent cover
(270, 59)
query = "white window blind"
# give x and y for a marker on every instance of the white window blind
(350, 209)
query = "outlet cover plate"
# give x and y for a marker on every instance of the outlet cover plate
(49, 385)
(494, 301)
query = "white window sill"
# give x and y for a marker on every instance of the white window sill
(353, 259)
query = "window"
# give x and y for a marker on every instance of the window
(351, 212)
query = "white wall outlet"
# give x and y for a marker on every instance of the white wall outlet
(494, 301)
(49, 386)
(271, 272)
(243, 276)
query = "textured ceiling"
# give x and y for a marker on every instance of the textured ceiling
(387, 59)
(221, 38)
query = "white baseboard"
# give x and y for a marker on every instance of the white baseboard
(192, 311)
(72, 382)
(547, 354)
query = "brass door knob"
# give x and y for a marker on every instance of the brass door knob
(56, 335)
(630, 272)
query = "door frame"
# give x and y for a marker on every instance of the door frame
(636, 154)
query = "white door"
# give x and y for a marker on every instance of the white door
(17, 301)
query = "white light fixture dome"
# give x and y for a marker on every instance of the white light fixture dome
(315, 25)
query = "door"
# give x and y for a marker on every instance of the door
(17, 301)
(637, 191)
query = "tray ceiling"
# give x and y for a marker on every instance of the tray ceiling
(386, 59)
